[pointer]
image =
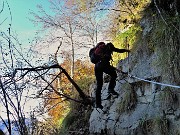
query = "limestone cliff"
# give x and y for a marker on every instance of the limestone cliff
(142, 108)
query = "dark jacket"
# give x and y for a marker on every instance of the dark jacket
(109, 50)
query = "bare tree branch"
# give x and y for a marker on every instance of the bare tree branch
(7, 107)
(81, 93)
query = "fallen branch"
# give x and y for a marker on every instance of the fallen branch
(85, 98)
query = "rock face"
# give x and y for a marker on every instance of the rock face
(142, 108)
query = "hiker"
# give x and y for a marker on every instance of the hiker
(103, 65)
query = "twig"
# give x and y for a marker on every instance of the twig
(159, 12)
(55, 55)
(7, 108)
(2, 8)
(112, 9)
(162, 16)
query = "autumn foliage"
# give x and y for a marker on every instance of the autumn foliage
(58, 106)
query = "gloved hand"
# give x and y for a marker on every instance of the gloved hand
(128, 51)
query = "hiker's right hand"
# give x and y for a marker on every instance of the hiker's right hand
(128, 51)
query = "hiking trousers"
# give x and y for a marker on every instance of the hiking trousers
(100, 68)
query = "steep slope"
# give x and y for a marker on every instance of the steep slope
(145, 108)
(141, 108)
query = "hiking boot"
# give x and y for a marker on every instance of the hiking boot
(112, 93)
(99, 106)
(109, 96)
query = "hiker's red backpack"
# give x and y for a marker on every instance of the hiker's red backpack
(97, 52)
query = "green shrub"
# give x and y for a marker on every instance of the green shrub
(168, 97)
(122, 39)
(165, 39)
(129, 99)
(157, 125)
